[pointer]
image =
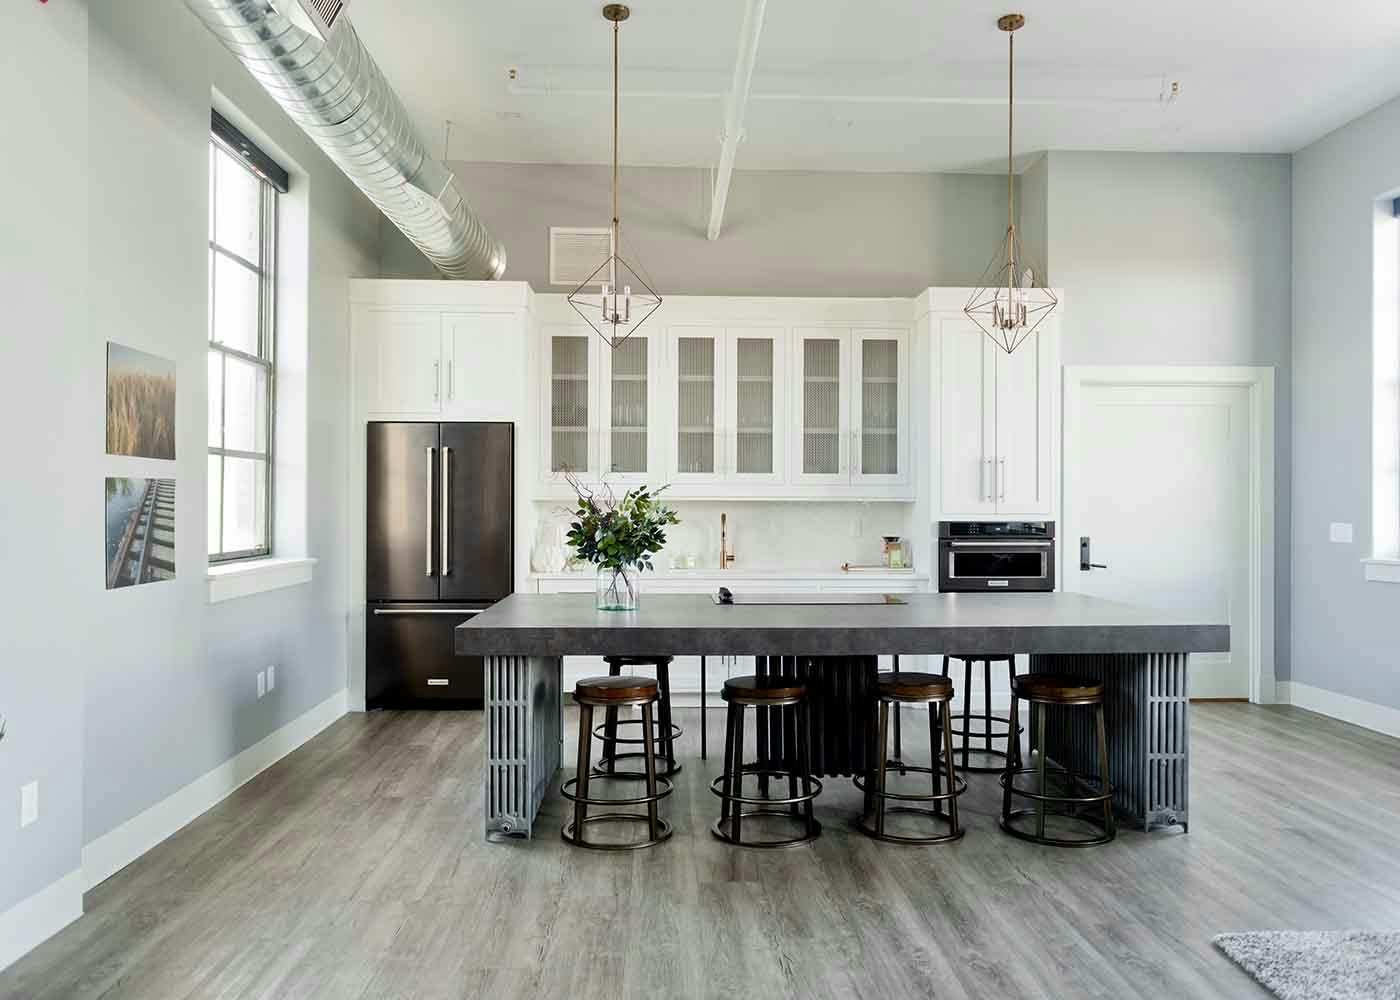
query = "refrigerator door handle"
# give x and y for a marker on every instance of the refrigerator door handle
(446, 511)
(428, 497)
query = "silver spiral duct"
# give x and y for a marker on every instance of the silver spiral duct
(338, 96)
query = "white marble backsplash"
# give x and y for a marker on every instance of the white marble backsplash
(767, 535)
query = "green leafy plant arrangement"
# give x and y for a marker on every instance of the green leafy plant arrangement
(620, 535)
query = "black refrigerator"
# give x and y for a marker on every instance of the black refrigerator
(439, 549)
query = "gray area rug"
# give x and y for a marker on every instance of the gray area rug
(1319, 965)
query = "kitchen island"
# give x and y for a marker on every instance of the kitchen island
(1140, 656)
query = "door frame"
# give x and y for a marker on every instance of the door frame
(1259, 380)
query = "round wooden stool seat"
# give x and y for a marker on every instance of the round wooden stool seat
(915, 687)
(1054, 689)
(751, 690)
(622, 690)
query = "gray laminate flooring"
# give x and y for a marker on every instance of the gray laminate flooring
(356, 868)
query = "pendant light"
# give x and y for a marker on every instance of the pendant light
(614, 299)
(1008, 305)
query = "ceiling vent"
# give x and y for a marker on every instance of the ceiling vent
(576, 252)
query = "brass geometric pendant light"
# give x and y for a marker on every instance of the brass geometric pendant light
(1008, 305)
(626, 300)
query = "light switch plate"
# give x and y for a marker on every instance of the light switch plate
(1340, 533)
(262, 683)
(29, 803)
(271, 677)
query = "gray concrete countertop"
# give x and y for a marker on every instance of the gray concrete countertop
(681, 624)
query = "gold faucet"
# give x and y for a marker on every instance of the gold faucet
(725, 556)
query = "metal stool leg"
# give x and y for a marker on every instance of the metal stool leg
(1011, 765)
(1109, 821)
(789, 758)
(880, 773)
(935, 738)
(967, 713)
(804, 761)
(952, 768)
(731, 764)
(898, 740)
(585, 741)
(1038, 714)
(668, 741)
(1013, 734)
(704, 718)
(610, 726)
(649, 748)
(987, 704)
(738, 813)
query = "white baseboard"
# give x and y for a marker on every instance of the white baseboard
(1366, 714)
(28, 924)
(113, 851)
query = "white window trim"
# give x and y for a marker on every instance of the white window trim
(232, 580)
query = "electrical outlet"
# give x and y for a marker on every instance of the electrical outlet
(262, 683)
(1340, 533)
(271, 677)
(29, 803)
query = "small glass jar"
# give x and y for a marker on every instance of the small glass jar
(617, 589)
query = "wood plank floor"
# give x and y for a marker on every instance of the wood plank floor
(356, 868)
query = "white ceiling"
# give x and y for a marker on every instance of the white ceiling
(882, 84)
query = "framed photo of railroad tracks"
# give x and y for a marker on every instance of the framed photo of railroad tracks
(140, 531)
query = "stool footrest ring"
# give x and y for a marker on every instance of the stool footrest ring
(717, 786)
(718, 830)
(894, 838)
(663, 832)
(663, 788)
(959, 786)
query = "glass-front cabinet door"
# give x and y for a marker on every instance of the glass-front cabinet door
(820, 361)
(698, 451)
(880, 407)
(571, 443)
(626, 408)
(755, 442)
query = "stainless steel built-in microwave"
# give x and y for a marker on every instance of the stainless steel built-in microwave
(981, 556)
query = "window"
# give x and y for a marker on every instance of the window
(1384, 564)
(243, 189)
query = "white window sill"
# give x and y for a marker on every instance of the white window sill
(257, 576)
(1382, 570)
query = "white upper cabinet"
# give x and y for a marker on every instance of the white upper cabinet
(754, 444)
(571, 362)
(485, 364)
(402, 367)
(822, 365)
(880, 407)
(1024, 446)
(627, 418)
(696, 382)
(967, 417)
(995, 418)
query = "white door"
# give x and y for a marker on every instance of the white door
(821, 360)
(697, 370)
(404, 355)
(880, 407)
(966, 418)
(754, 438)
(1157, 478)
(1025, 386)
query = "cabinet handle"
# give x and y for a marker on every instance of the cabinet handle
(450, 390)
(428, 513)
(1001, 480)
(445, 512)
(986, 489)
(437, 381)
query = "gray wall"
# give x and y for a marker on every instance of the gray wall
(785, 233)
(170, 690)
(1345, 636)
(52, 411)
(1181, 259)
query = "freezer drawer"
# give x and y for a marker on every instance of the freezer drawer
(409, 661)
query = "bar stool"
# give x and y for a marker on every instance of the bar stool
(1041, 692)
(987, 732)
(670, 732)
(937, 694)
(765, 694)
(611, 693)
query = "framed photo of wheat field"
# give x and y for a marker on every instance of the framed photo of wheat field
(140, 403)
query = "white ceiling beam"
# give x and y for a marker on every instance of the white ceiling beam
(734, 110)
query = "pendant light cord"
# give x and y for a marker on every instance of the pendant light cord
(617, 227)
